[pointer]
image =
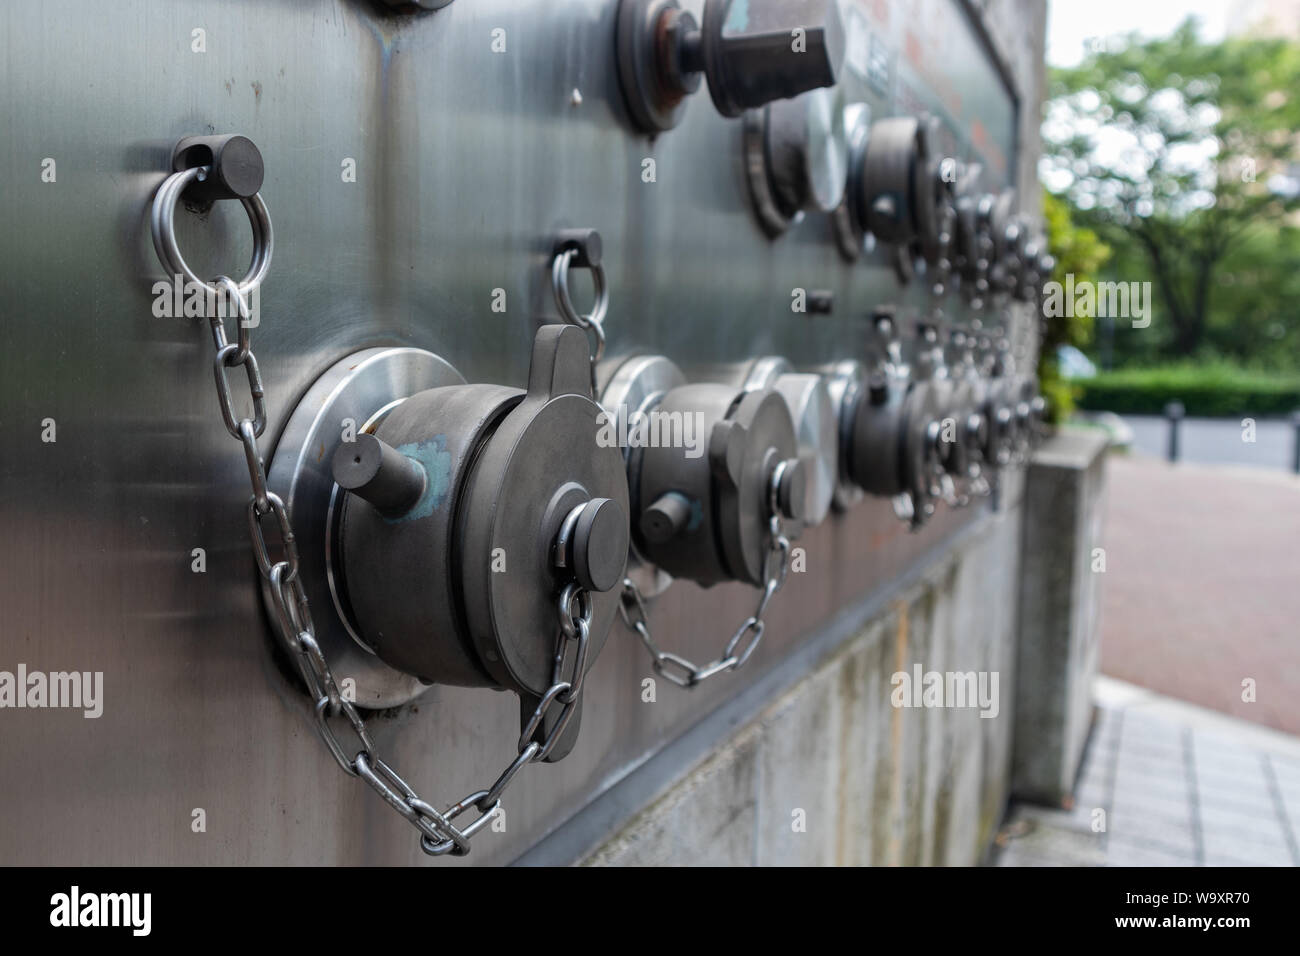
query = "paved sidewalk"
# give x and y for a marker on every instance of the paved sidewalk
(1202, 585)
(1169, 784)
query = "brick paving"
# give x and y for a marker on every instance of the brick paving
(1202, 585)
(1165, 783)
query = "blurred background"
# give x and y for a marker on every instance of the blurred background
(1172, 167)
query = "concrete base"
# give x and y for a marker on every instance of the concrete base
(831, 772)
(1059, 639)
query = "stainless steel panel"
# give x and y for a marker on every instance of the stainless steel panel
(467, 163)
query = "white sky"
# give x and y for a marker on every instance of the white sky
(1072, 22)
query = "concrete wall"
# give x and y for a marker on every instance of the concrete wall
(876, 784)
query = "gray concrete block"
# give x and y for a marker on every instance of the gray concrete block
(1058, 645)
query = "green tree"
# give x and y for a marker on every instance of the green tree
(1078, 251)
(1253, 315)
(1169, 149)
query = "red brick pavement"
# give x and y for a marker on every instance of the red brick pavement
(1202, 586)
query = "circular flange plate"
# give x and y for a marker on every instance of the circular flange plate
(796, 157)
(994, 215)
(741, 509)
(1001, 403)
(845, 382)
(849, 228)
(923, 406)
(630, 390)
(816, 426)
(362, 387)
(826, 151)
(774, 218)
(967, 402)
(959, 407)
(637, 37)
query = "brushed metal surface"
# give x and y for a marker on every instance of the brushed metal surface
(467, 162)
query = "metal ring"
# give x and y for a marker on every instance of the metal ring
(162, 222)
(560, 285)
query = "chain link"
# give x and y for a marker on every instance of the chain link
(743, 643)
(439, 833)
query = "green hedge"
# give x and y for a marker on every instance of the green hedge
(1204, 390)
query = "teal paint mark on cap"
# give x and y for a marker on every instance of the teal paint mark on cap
(433, 457)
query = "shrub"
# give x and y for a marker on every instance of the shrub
(1205, 390)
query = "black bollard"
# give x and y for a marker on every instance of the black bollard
(1295, 455)
(1174, 414)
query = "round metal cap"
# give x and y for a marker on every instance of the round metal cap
(600, 542)
(354, 394)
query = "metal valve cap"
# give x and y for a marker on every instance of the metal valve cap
(705, 517)
(518, 498)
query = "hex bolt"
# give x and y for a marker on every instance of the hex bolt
(792, 489)
(380, 474)
(683, 52)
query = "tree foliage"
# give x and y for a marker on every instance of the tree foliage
(1080, 252)
(1174, 150)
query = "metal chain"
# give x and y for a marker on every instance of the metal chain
(685, 673)
(438, 833)
(632, 607)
